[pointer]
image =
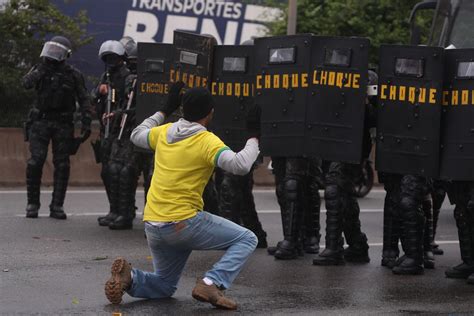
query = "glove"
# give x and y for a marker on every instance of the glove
(174, 98)
(253, 121)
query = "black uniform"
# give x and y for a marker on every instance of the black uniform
(58, 87)
(413, 192)
(297, 183)
(117, 80)
(123, 164)
(395, 219)
(342, 208)
(236, 203)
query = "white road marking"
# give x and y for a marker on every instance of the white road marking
(439, 242)
(101, 191)
(140, 213)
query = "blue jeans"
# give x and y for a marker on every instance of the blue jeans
(172, 244)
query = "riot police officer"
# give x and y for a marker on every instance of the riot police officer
(297, 183)
(109, 96)
(342, 208)
(58, 86)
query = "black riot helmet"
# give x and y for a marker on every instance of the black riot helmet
(112, 53)
(57, 49)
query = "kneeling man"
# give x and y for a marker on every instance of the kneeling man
(186, 154)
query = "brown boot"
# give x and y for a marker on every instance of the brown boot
(119, 281)
(211, 294)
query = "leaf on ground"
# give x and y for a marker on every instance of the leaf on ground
(149, 258)
(36, 237)
(75, 301)
(100, 258)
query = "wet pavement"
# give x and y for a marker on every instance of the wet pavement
(59, 267)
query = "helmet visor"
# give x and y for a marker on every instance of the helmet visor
(55, 51)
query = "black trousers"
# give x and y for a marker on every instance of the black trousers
(60, 134)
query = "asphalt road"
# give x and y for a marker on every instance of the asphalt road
(59, 267)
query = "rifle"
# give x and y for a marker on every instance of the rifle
(110, 100)
(129, 104)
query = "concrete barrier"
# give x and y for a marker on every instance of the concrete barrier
(14, 154)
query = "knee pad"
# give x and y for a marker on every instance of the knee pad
(36, 163)
(407, 203)
(332, 192)
(291, 189)
(62, 165)
(128, 172)
(113, 169)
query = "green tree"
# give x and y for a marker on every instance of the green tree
(24, 25)
(382, 21)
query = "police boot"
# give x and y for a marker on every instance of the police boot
(61, 178)
(470, 279)
(271, 250)
(391, 232)
(466, 268)
(428, 256)
(32, 210)
(288, 248)
(413, 226)
(33, 183)
(107, 219)
(57, 212)
(436, 249)
(333, 254)
(358, 251)
(121, 223)
(461, 271)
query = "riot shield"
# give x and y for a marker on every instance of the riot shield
(457, 150)
(153, 69)
(336, 105)
(281, 86)
(232, 89)
(409, 109)
(192, 57)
